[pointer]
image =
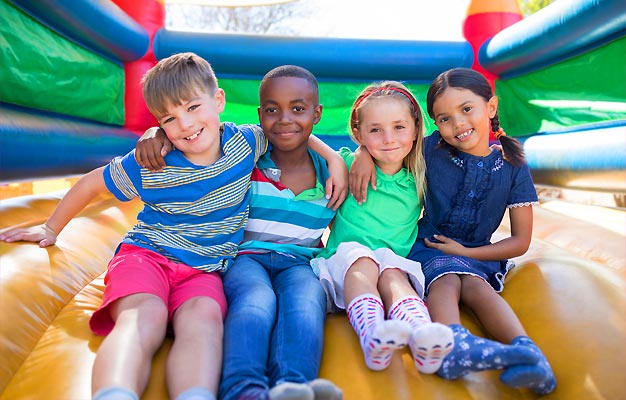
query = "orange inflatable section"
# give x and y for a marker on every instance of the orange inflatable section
(569, 291)
(493, 6)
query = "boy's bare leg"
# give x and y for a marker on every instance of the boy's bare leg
(124, 359)
(195, 360)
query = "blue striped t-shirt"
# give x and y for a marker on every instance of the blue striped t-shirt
(281, 221)
(192, 214)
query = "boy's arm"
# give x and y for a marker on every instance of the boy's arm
(84, 191)
(152, 146)
(362, 172)
(337, 183)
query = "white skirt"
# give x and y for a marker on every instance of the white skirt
(332, 271)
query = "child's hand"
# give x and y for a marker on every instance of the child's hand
(445, 244)
(152, 146)
(40, 233)
(499, 148)
(362, 172)
(337, 184)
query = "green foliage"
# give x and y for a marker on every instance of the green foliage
(529, 7)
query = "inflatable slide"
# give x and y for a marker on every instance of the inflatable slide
(70, 100)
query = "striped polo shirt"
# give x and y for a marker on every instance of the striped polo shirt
(192, 214)
(281, 221)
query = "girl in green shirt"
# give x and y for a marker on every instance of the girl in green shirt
(363, 268)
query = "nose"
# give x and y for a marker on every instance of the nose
(459, 121)
(388, 136)
(284, 117)
(185, 122)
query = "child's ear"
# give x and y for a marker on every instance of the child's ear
(356, 135)
(220, 99)
(492, 105)
(317, 114)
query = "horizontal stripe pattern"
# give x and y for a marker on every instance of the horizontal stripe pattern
(282, 222)
(193, 214)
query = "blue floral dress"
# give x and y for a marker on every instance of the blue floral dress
(466, 199)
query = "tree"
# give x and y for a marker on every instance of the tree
(529, 7)
(266, 19)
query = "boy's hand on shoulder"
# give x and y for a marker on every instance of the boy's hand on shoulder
(39, 233)
(152, 146)
(337, 184)
(336, 192)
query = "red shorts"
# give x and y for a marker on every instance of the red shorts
(136, 270)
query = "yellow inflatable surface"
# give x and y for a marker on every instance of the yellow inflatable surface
(568, 290)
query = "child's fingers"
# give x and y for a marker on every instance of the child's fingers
(167, 147)
(154, 159)
(356, 183)
(372, 181)
(362, 190)
(21, 235)
(47, 242)
(337, 199)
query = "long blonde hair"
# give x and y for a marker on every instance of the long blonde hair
(414, 161)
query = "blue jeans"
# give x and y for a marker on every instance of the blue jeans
(274, 329)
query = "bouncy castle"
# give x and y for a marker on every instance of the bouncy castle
(70, 101)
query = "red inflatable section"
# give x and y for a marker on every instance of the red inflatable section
(485, 18)
(151, 15)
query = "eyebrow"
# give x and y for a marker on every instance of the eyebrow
(460, 105)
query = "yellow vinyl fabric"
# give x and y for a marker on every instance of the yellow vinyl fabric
(568, 290)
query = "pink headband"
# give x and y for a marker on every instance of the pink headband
(382, 89)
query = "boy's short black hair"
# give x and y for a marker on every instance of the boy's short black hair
(291, 71)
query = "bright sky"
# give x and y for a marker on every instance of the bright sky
(440, 20)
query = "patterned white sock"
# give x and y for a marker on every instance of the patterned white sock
(411, 309)
(430, 342)
(379, 338)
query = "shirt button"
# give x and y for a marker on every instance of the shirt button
(480, 164)
(471, 194)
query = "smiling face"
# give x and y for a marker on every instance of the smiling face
(193, 127)
(387, 129)
(289, 108)
(463, 118)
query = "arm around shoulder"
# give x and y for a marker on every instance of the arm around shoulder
(337, 184)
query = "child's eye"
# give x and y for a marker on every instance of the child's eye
(270, 110)
(400, 127)
(298, 109)
(375, 130)
(467, 108)
(166, 120)
(193, 107)
(443, 119)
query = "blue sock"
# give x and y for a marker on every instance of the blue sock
(196, 393)
(538, 376)
(115, 393)
(472, 353)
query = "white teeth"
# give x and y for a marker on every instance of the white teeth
(465, 134)
(192, 137)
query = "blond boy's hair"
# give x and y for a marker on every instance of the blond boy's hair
(175, 80)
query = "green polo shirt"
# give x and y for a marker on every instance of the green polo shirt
(387, 219)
